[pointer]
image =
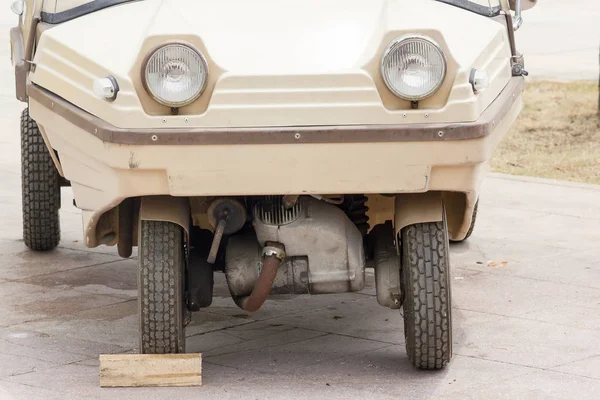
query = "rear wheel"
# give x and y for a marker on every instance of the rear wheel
(161, 271)
(40, 189)
(425, 274)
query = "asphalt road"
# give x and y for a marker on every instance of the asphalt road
(526, 291)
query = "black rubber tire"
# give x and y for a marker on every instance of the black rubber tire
(472, 226)
(40, 189)
(425, 280)
(161, 272)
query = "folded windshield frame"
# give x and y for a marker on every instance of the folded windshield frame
(79, 11)
(486, 11)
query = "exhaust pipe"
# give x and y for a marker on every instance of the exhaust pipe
(273, 255)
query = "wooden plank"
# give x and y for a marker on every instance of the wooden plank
(135, 370)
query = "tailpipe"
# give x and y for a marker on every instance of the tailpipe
(273, 255)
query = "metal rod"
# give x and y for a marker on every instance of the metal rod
(216, 243)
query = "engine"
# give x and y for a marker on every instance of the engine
(324, 251)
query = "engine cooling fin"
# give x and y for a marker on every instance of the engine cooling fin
(271, 211)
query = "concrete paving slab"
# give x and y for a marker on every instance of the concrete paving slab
(52, 348)
(541, 195)
(11, 365)
(257, 330)
(560, 39)
(546, 230)
(118, 279)
(17, 391)
(513, 296)
(570, 314)
(25, 302)
(205, 342)
(113, 324)
(540, 228)
(540, 385)
(208, 321)
(525, 342)
(394, 375)
(577, 268)
(283, 338)
(18, 262)
(486, 248)
(354, 319)
(291, 357)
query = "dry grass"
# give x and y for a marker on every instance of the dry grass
(557, 135)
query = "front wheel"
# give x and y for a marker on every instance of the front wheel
(40, 189)
(161, 271)
(425, 273)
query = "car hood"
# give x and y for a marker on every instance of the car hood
(273, 55)
(271, 35)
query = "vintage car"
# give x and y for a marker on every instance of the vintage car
(289, 144)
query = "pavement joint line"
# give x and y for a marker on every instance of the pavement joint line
(537, 368)
(121, 348)
(576, 361)
(46, 319)
(123, 297)
(278, 316)
(267, 346)
(350, 336)
(346, 356)
(39, 359)
(20, 280)
(94, 252)
(33, 369)
(522, 317)
(544, 181)
(41, 388)
(578, 375)
(546, 213)
(221, 330)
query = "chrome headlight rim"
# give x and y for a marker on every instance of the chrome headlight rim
(397, 43)
(144, 74)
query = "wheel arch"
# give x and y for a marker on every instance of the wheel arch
(119, 224)
(415, 208)
(166, 209)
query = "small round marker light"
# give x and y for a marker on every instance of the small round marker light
(480, 80)
(106, 88)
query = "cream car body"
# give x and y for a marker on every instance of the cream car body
(295, 104)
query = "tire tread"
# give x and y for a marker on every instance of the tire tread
(161, 269)
(40, 189)
(427, 308)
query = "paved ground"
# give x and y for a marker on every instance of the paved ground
(528, 329)
(560, 39)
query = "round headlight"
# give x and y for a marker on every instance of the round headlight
(413, 67)
(175, 75)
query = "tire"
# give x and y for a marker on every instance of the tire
(161, 271)
(425, 280)
(472, 226)
(40, 189)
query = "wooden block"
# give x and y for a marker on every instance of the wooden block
(134, 370)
